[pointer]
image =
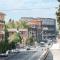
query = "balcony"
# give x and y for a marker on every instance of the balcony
(2, 21)
(48, 34)
(1, 32)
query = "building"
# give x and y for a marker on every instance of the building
(50, 32)
(12, 31)
(35, 29)
(49, 23)
(2, 15)
(23, 34)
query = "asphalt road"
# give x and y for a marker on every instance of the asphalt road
(49, 56)
(29, 55)
(26, 55)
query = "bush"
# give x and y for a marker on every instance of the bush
(12, 45)
(30, 41)
(3, 47)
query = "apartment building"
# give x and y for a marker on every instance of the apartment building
(35, 29)
(23, 33)
(50, 32)
(49, 23)
(2, 15)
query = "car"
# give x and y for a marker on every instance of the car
(4, 54)
(42, 44)
(28, 48)
(14, 51)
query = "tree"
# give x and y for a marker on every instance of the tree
(4, 45)
(12, 45)
(6, 38)
(58, 0)
(16, 38)
(58, 17)
(30, 41)
(11, 24)
(23, 24)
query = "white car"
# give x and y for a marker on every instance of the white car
(42, 44)
(4, 54)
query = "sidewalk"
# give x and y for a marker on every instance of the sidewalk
(54, 53)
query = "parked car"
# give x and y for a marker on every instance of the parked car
(4, 54)
(42, 44)
(28, 48)
(14, 51)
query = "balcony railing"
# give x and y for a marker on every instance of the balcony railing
(48, 34)
(2, 21)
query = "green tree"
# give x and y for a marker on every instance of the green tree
(58, 16)
(17, 38)
(23, 24)
(30, 41)
(12, 45)
(4, 45)
(58, 0)
(11, 25)
(19, 24)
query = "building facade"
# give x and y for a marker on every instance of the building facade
(23, 33)
(35, 29)
(50, 32)
(49, 23)
(2, 15)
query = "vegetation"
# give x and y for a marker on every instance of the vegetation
(17, 38)
(58, 16)
(30, 41)
(14, 39)
(4, 45)
(12, 45)
(58, 0)
(23, 24)
(17, 24)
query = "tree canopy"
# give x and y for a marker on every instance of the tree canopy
(17, 24)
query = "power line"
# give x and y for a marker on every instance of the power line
(29, 9)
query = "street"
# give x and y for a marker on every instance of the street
(49, 56)
(26, 55)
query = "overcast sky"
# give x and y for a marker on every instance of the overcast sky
(28, 8)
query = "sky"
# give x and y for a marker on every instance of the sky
(15, 9)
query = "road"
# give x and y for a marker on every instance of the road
(26, 55)
(49, 56)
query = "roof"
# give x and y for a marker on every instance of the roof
(35, 22)
(23, 29)
(12, 30)
(2, 32)
(15, 30)
(1, 13)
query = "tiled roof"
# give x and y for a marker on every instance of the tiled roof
(1, 13)
(12, 30)
(35, 22)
